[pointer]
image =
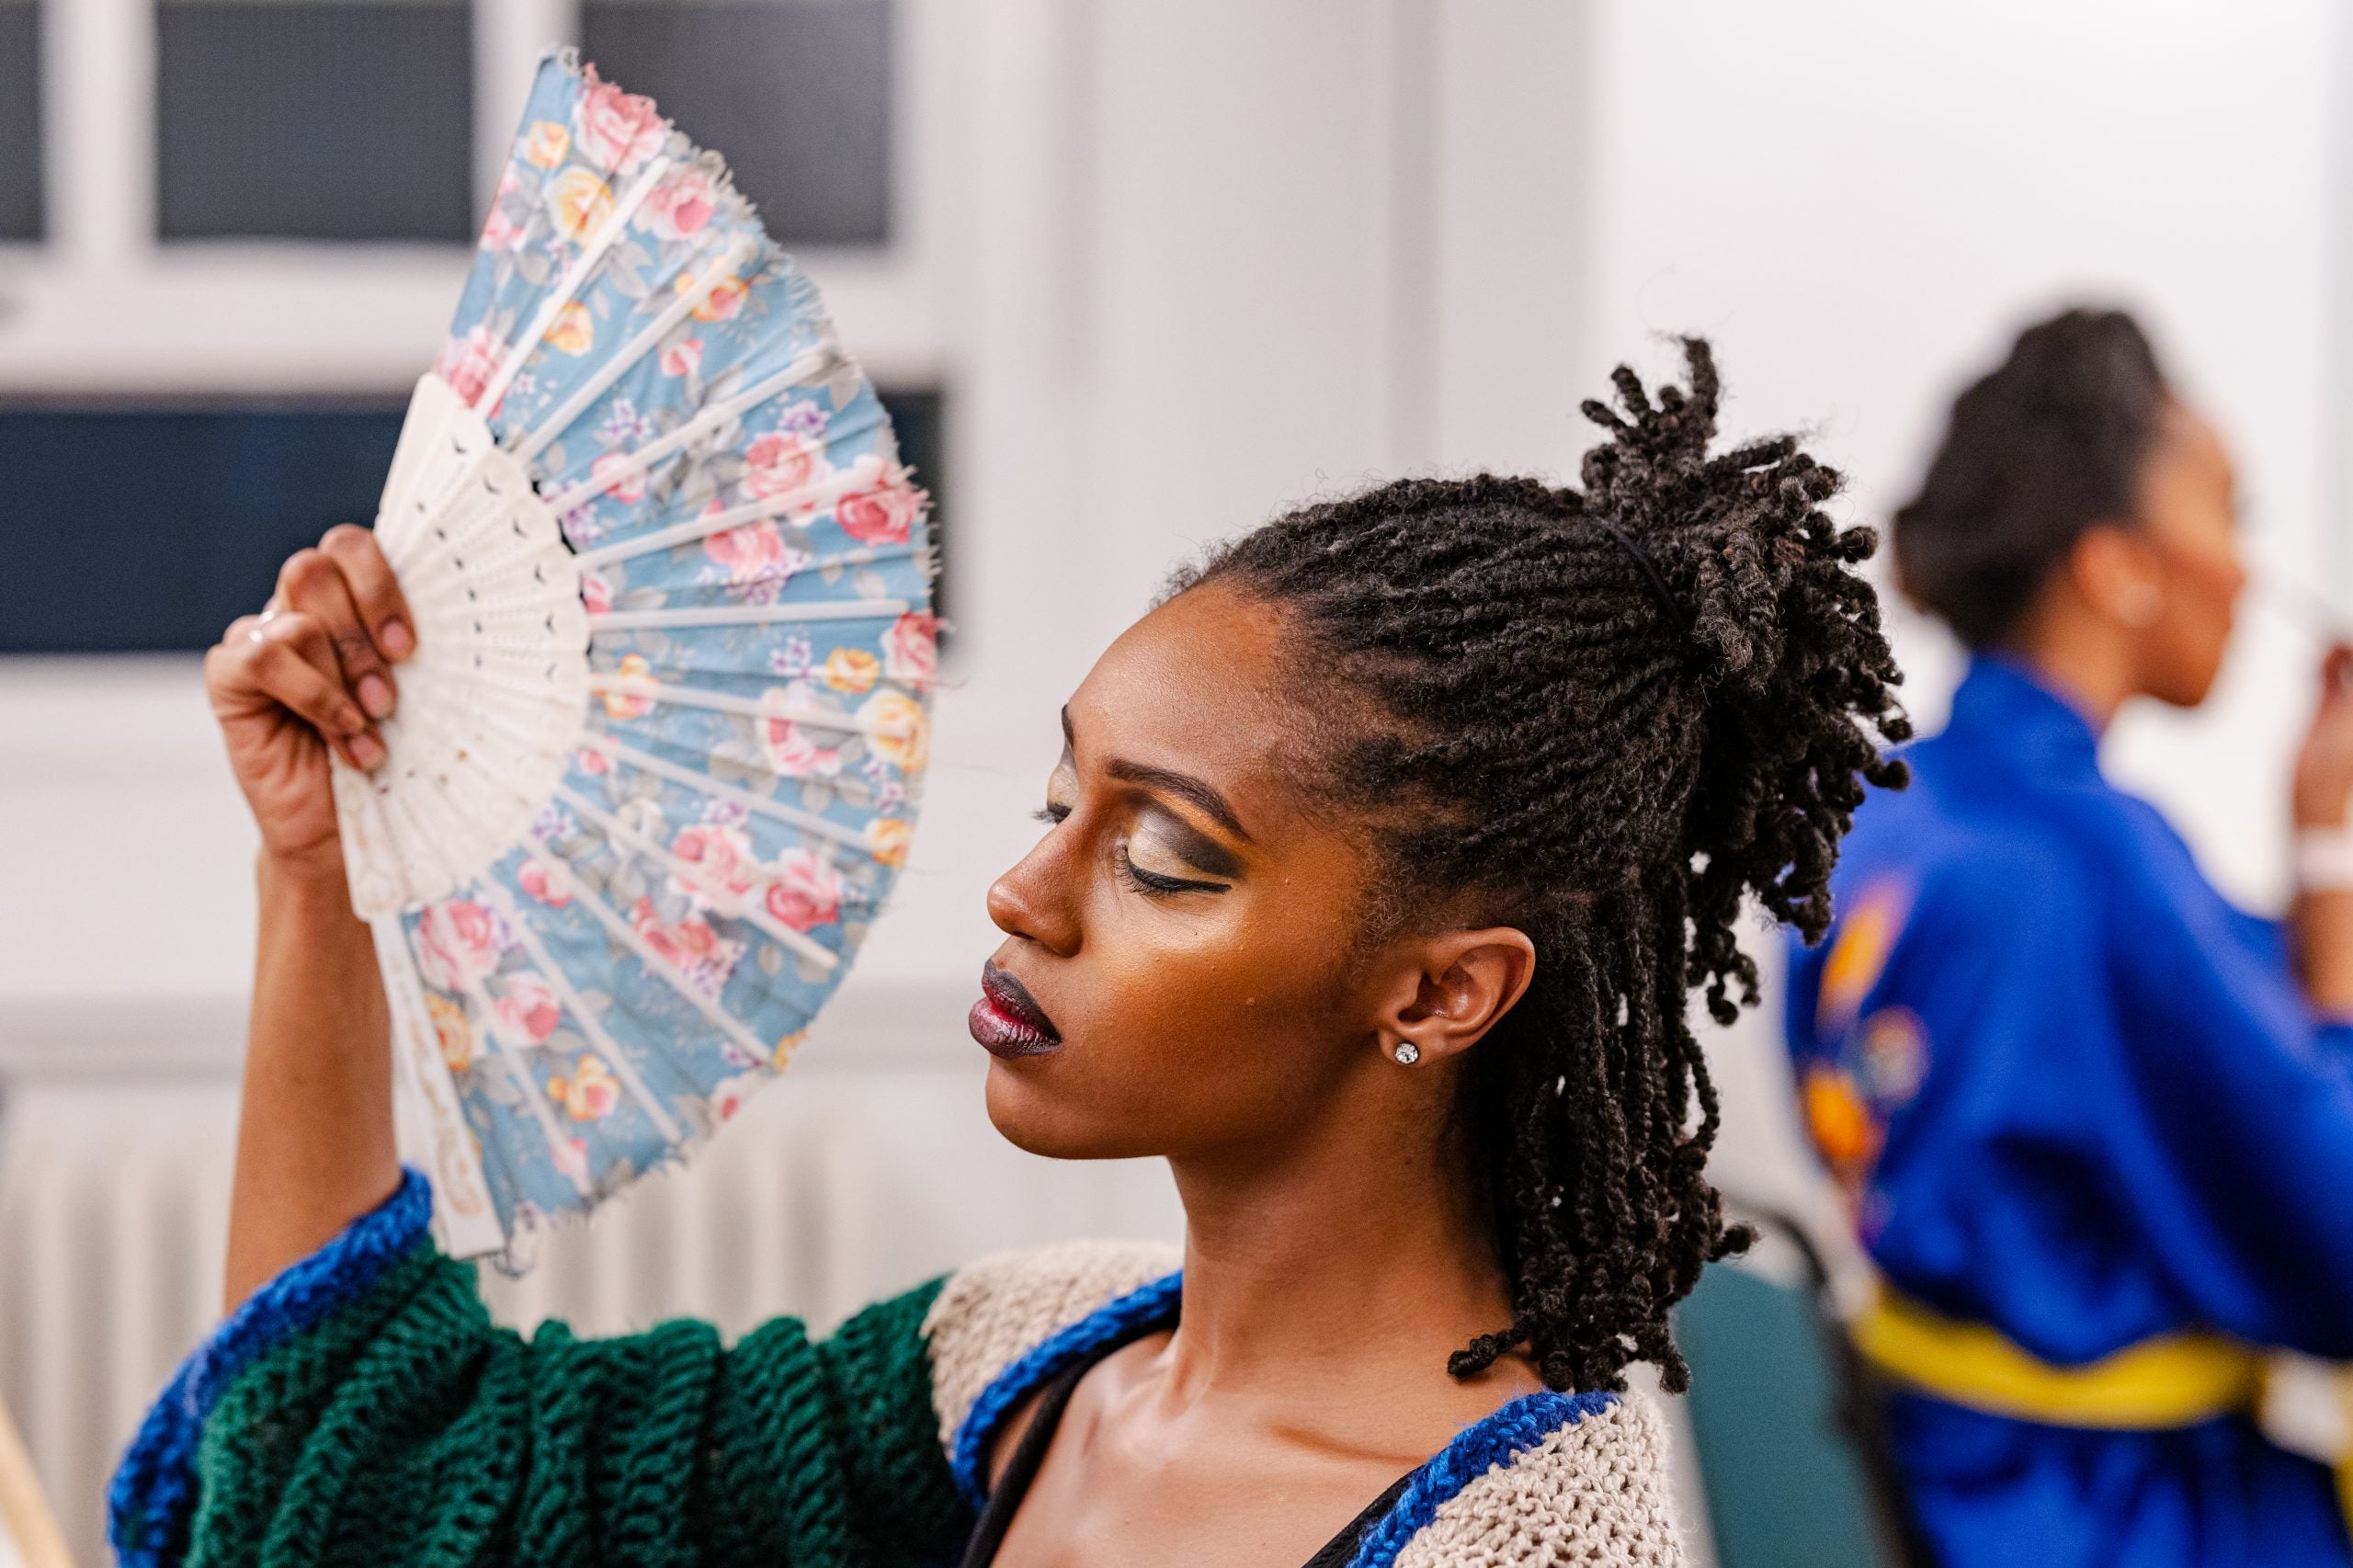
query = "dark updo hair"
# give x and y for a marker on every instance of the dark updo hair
(1607, 718)
(2047, 443)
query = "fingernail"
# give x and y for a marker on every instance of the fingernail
(367, 751)
(397, 640)
(376, 696)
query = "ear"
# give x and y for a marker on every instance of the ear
(1453, 989)
(2114, 571)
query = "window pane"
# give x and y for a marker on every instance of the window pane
(314, 120)
(197, 506)
(20, 149)
(795, 93)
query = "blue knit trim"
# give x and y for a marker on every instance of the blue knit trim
(153, 1500)
(1492, 1443)
(1139, 1311)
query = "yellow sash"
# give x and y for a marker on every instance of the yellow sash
(2173, 1380)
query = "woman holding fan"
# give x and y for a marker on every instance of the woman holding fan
(1377, 867)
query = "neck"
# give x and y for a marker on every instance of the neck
(2088, 665)
(1334, 1254)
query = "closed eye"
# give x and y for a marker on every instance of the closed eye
(1152, 884)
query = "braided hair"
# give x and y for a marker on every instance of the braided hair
(1606, 716)
(2039, 450)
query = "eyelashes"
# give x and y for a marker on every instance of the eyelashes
(1151, 885)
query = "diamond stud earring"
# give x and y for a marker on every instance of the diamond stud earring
(1407, 1052)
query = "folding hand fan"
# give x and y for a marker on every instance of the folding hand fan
(657, 752)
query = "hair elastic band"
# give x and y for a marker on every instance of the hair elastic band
(1659, 590)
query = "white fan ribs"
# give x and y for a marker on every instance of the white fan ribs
(671, 975)
(548, 970)
(746, 615)
(747, 706)
(704, 784)
(723, 900)
(809, 499)
(591, 254)
(723, 271)
(806, 369)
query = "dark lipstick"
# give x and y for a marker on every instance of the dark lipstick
(1007, 1020)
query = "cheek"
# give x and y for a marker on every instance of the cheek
(2213, 582)
(1181, 1031)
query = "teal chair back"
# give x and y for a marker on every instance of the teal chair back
(1790, 1455)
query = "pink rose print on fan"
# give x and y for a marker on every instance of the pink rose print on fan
(689, 945)
(789, 748)
(722, 863)
(732, 1095)
(458, 944)
(595, 592)
(618, 130)
(529, 1009)
(590, 1094)
(500, 231)
(911, 649)
(681, 206)
(570, 1155)
(545, 883)
(593, 759)
(881, 515)
(755, 554)
(467, 364)
(780, 463)
(804, 892)
(723, 301)
(625, 481)
(682, 357)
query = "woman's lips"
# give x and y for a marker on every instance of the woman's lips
(1007, 1020)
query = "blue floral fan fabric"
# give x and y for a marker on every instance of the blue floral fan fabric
(754, 563)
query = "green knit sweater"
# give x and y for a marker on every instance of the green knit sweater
(363, 1408)
(374, 1414)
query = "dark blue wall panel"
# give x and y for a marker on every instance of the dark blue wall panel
(132, 529)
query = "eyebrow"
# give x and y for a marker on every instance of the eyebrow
(1184, 786)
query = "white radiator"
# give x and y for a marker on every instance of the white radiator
(114, 1204)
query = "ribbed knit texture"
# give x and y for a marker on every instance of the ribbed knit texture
(154, 1488)
(404, 1427)
(362, 1409)
(1147, 1307)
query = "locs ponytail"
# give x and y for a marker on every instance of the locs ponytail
(1612, 714)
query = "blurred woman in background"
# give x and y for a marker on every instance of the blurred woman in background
(2096, 1122)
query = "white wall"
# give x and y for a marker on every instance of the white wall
(1859, 203)
(1180, 265)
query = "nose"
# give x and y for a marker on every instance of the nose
(1036, 901)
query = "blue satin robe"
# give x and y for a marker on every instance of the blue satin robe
(2077, 1096)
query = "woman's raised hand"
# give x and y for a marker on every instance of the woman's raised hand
(2323, 779)
(313, 670)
